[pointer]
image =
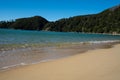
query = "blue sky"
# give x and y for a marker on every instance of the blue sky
(52, 9)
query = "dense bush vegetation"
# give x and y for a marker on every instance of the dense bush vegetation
(32, 23)
(107, 21)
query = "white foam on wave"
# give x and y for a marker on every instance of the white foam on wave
(94, 42)
(98, 42)
(11, 66)
(22, 64)
(107, 41)
(42, 61)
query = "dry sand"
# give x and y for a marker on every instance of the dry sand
(101, 64)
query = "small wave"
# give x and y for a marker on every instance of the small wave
(98, 42)
(11, 66)
(107, 41)
(93, 42)
(22, 64)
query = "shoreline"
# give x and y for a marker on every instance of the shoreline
(87, 45)
(114, 33)
(5, 47)
(92, 65)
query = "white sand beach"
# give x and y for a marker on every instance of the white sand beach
(100, 64)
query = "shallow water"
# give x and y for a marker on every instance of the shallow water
(31, 38)
(20, 47)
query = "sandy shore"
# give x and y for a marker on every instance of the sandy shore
(101, 64)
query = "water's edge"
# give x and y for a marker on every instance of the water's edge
(74, 49)
(21, 47)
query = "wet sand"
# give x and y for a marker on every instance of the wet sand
(31, 55)
(100, 64)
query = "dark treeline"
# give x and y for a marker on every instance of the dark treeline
(107, 21)
(31, 23)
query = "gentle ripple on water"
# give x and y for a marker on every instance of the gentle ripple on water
(20, 47)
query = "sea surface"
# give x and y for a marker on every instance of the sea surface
(21, 47)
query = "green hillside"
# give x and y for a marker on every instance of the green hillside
(107, 21)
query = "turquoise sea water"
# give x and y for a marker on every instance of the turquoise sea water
(21, 47)
(43, 37)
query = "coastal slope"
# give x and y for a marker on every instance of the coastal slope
(100, 64)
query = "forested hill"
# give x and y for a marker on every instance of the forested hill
(107, 21)
(31, 23)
